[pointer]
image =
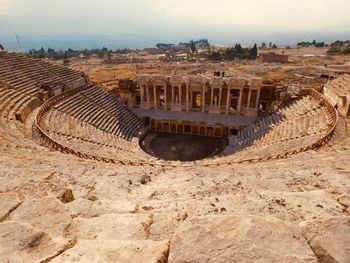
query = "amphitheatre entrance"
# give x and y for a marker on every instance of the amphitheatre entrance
(182, 147)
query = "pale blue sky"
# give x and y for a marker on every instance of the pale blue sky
(177, 16)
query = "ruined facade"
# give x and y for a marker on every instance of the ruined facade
(216, 95)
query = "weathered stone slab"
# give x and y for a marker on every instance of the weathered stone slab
(244, 239)
(8, 202)
(120, 251)
(111, 226)
(46, 214)
(20, 242)
(87, 208)
(329, 238)
(301, 206)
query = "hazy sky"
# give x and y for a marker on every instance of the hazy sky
(171, 16)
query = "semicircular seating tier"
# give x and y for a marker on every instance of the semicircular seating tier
(14, 138)
(21, 82)
(92, 122)
(305, 123)
(28, 75)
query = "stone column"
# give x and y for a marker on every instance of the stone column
(172, 95)
(155, 96)
(220, 97)
(239, 101)
(142, 93)
(187, 98)
(227, 101)
(147, 93)
(203, 98)
(211, 97)
(165, 99)
(257, 99)
(249, 94)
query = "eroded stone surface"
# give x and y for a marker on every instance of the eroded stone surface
(88, 208)
(329, 238)
(8, 202)
(239, 239)
(46, 214)
(297, 206)
(21, 242)
(111, 226)
(119, 251)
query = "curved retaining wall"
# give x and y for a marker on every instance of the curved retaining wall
(40, 135)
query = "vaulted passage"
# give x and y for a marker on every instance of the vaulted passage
(182, 147)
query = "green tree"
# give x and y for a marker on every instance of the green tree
(253, 53)
(192, 46)
(50, 50)
(238, 47)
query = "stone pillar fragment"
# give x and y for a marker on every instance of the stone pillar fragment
(239, 101)
(142, 91)
(249, 94)
(228, 101)
(147, 93)
(257, 99)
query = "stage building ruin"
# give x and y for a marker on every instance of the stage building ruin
(197, 93)
(213, 97)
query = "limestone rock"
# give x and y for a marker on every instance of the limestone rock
(241, 239)
(111, 226)
(120, 251)
(20, 242)
(46, 214)
(301, 206)
(329, 238)
(8, 202)
(87, 208)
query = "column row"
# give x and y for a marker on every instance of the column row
(237, 99)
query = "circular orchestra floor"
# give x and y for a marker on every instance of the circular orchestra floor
(182, 147)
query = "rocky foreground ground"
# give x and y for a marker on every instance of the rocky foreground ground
(58, 208)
